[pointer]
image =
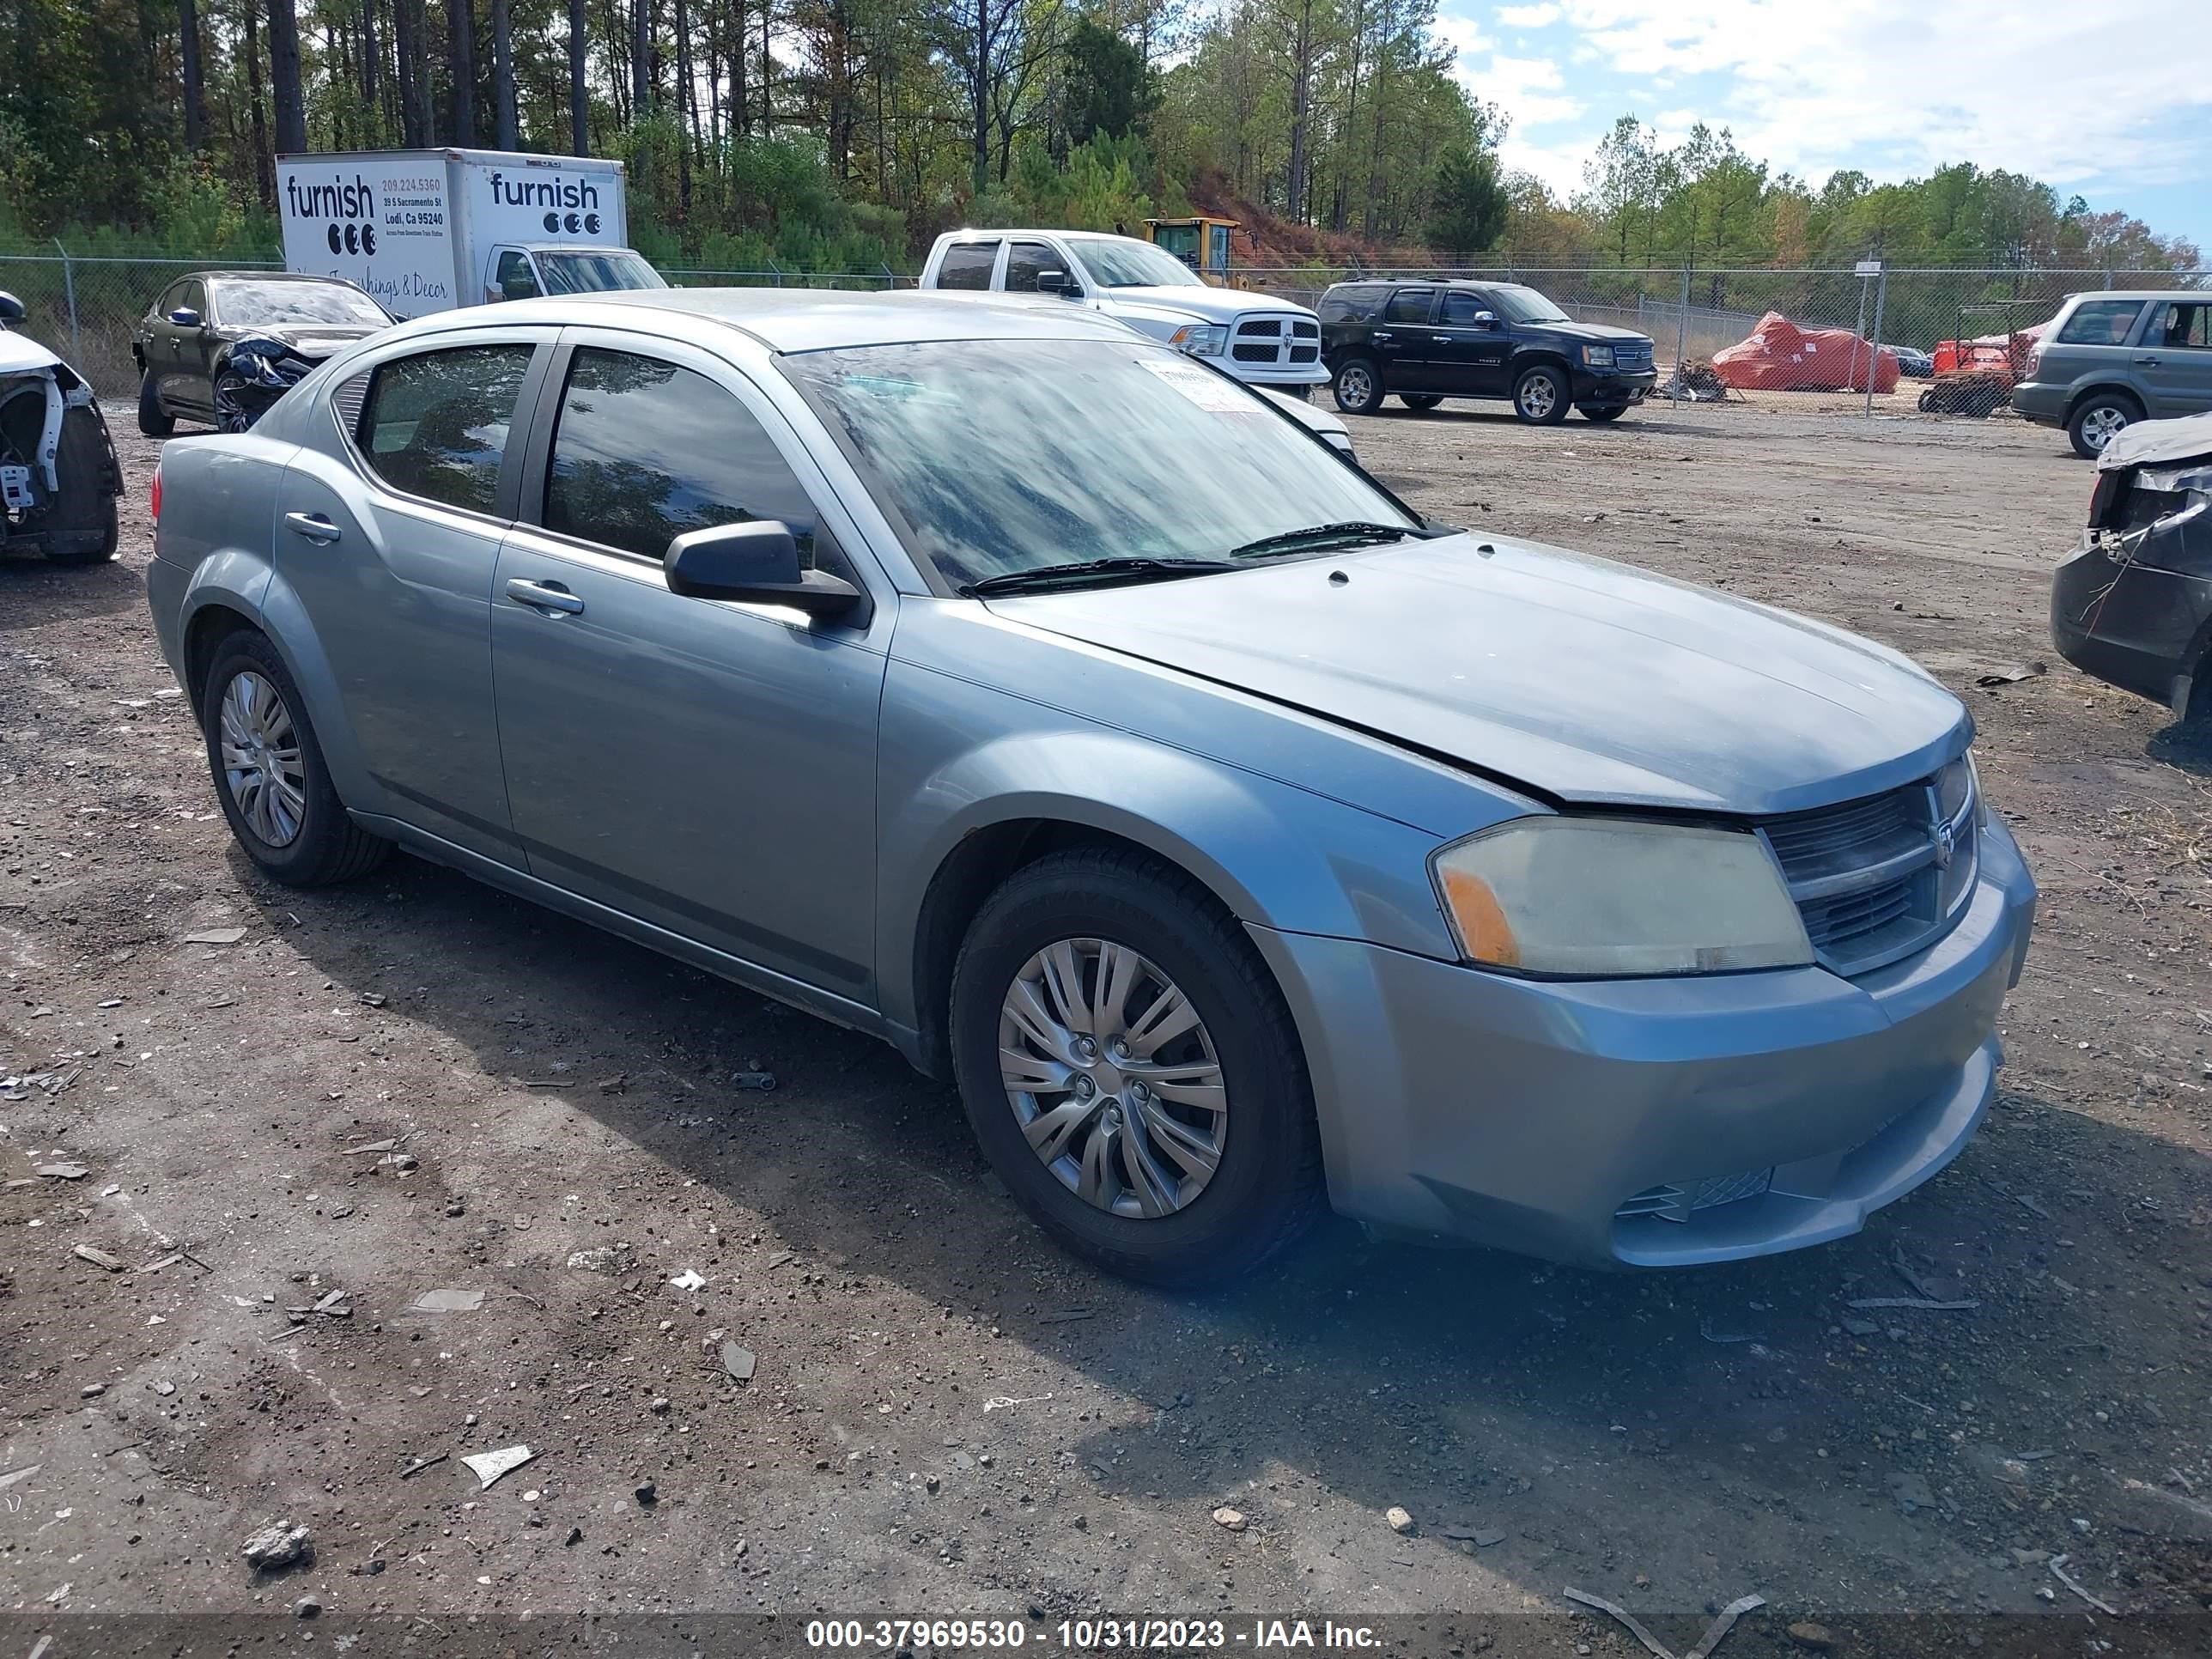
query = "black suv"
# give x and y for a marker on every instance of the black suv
(1430, 341)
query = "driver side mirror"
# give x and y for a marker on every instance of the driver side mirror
(754, 562)
(1055, 282)
(185, 317)
(1485, 320)
(11, 310)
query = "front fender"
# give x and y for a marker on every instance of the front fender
(1276, 855)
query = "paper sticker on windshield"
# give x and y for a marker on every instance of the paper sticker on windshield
(1209, 391)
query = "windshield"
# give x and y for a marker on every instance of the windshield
(1009, 455)
(1119, 263)
(279, 304)
(597, 270)
(1525, 305)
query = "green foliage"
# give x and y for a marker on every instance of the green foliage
(1471, 206)
(1109, 88)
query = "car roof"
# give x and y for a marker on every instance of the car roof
(2197, 296)
(271, 277)
(791, 319)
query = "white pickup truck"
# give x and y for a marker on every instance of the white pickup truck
(1263, 340)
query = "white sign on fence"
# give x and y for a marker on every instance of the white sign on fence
(1867, 268)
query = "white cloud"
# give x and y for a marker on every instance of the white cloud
(1528, 17)
(1530, 90)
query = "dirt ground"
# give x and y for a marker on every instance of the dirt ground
(947, 1416)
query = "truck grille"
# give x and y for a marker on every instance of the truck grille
(1635, 354)
(1879, 878)
(1274, 340)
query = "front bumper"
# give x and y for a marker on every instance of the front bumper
(1468, 1106)
(2132, 625)
(1279, 374)
(1604, 387)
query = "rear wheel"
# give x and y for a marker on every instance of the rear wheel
(2100, 417)
(268, 772)
(1130, 1070)
(1603, 412)
(1358, 386)
(1420, 400)
(1539, 396)
(154, 421)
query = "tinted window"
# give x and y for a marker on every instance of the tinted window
(1409, 305)
(1461, 308)
(1348, 304)
(195, 296)
(2101, 322)
(968, 265)
(646, 451)
(436, 423)
(1026, 262)
(1525, 305)
(513, 278)
(172, 297)
(278, 304)
(2185, 325)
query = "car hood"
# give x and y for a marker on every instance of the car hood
(1213, 305)
(314, 340)
(1597, 332)
(21, 355)
(2149, 443)
(1579, 678)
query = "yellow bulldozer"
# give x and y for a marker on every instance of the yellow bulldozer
(1200, 242)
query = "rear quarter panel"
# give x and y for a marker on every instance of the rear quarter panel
(212, 545)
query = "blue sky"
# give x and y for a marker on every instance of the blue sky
(2082, 96)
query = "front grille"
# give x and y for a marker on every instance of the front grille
(1305, 354)
(1632, 356)
(1270, 326)
(1254, 354)
(1305, 330)
(1879, 878)
(1678, 1201)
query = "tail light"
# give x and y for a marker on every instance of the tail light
(2034, 359)
(154, 494)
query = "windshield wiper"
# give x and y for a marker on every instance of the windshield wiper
(1085, 572)
(1351, 532)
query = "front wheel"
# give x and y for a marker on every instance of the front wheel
(1358, 386)
(269, 771)
(2102, 417)
(236, 409)
(1539, 396)
(1604, 412)
(1131, 1072)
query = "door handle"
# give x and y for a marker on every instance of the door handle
(2148, 363)
(314, 527)
(543, 596)
(1380, 334)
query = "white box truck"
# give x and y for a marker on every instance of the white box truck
(426, 230)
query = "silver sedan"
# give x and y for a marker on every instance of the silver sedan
(1071, 718)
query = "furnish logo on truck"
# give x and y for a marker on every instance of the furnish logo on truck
(572, 206)
(351, 208)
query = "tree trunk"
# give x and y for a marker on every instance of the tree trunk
(284, 78)
(371, 105)
(264, 172)
(463, 14)
(640, 59)
(407, 31)
(741, 114)
(982, 72)
(580, 98)
(504, 134)
(768, 70)
(687, 112)
(188, 63)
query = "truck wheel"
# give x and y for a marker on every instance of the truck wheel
(154, 421)
(1605, 412)
(1423, 401)
(1539, 396)
(81, 524)
(2099, 420)
(1358, 386)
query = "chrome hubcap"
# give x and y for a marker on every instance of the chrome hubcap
(261, 760)
(1353, 385)
(1537, 397)
(2102, 425)
(1113, 1077)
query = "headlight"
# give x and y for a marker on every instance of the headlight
(1598, 356)
(1593, 898)
(1201, 339)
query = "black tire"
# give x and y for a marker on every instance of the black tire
(1268, 1186)
(231, 400)
(1365, 393)
(154, 421)
(1424, 401)
(1603, 412)
(82, 527)
(2094, 409)
(328, 846)
(1541, 395)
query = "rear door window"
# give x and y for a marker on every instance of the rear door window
(436, 424)
(646, 451)
(968, 265)
(1409, 305)
(2101, 322)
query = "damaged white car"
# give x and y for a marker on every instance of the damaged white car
(59, 475)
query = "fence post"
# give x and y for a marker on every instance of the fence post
(1681, 332)
(1873, 356)
(890, 280)
(68, 292)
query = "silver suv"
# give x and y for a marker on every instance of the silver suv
(2112, 358)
